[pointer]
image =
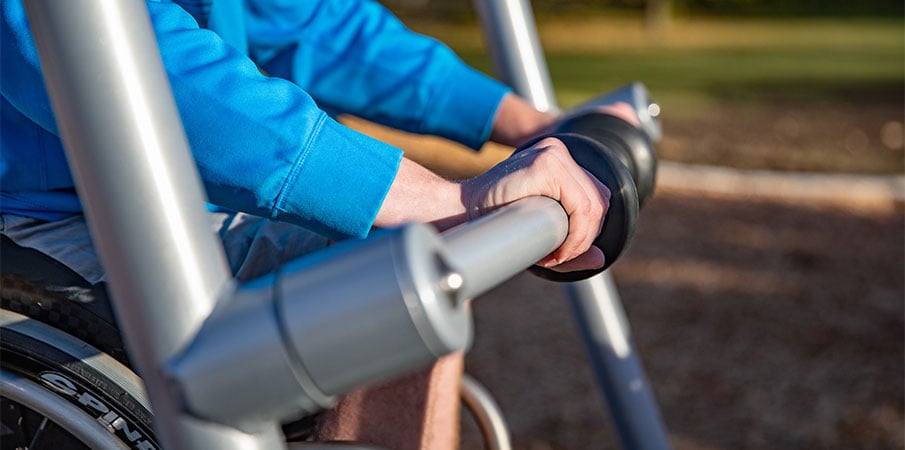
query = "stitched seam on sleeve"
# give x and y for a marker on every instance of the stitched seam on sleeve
(296, 168)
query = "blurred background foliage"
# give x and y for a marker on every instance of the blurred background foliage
(816, 85)
(464, 10)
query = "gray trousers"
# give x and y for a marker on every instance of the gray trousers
(254, 246)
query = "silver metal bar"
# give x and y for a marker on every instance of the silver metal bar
(141, 192)
(357, 313)
(487, 413)
(515, 50)
(496, 247)
(511, 35)
(605, 330)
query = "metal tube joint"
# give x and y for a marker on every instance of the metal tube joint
(354, 314)
(357, 313)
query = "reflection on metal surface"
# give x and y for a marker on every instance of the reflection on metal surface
(152, 150)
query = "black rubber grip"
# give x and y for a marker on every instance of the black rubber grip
(622, 215)
(631, 145)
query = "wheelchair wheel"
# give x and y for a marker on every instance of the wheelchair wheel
(65, 377)
(58, 392)
(56, 329)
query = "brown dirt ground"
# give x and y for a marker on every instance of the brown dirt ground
(854, 132)
(762, 324)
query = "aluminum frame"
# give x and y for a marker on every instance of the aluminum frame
(510, 33)
(144, 202)
(142, 195)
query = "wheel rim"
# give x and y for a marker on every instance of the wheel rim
(57, 411)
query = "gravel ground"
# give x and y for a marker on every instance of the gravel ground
(762, 325)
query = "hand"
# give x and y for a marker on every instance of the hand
(547, 169)
(517, 121)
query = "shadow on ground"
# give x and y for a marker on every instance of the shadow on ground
(762, 326)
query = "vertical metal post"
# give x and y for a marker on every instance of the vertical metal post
(605, 331)
(141, 192)
(515, 49)
(511, 35)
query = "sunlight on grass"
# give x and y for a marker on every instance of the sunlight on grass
(780, 94)
(601, 34)
(695, 60)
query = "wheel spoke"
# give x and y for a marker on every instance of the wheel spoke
(13, 436)
(36, 438)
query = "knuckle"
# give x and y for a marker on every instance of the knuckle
(551, 143)
(584, 206)
(597, 210)
(544, 155)
(553, 147)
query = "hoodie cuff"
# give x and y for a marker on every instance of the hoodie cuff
(340, 180)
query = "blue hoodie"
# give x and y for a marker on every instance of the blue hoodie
(263, 144)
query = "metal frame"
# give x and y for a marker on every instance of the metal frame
(142, 195)
(510, 33)
(169, 281)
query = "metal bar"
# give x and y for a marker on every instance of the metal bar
(141, 192)
(498, 246)
(603, 327)
(358, 313)
(515, 50)
(511, 35)
(486, 413)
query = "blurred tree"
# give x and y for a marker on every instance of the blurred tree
(795, 7)
(657, 13)
(657, 17)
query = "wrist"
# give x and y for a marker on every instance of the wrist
(517, 121)
(451, 209)
(419, 195)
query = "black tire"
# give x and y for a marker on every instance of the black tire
(70, 326)
(40, 287)
(83, 382)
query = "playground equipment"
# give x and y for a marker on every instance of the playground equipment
(203, 343)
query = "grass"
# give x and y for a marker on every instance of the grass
(694, 62)
(824, 95)
(806, 94)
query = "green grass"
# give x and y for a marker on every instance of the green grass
(702, 75)
(813, 95)
(695, 62)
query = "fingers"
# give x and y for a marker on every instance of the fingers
(547, 169)
(623, 111)
(585, 200)
(589, 260)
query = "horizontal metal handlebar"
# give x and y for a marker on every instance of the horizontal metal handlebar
(496, 247)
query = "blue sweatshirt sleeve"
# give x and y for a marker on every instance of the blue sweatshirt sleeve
(355, 56)
(261, 144)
